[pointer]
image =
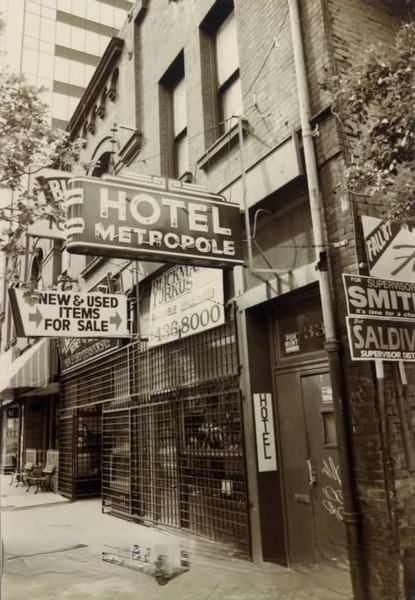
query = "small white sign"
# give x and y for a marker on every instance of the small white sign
(265, 438)
(291, 342)
(69, 314)
(185, 300)
(326, 394)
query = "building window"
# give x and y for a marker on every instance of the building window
(229, 95)
(180, 143)
(221, 86)
(173, 120)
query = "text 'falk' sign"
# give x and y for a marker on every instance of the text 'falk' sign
(185, 300)
(154, 219)
(390, 248)
(376, 339)
(69, 314)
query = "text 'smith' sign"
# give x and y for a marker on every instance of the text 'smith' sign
(265, 438)
(378, 339)
(69, 314)
(152, 218)
(185, 300)
(382, 298)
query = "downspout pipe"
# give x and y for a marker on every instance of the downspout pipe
(351, 515)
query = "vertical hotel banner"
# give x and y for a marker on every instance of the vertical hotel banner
(185, 300)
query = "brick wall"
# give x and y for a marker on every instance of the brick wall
(385, 485)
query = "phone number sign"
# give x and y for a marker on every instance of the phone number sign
(185, 300)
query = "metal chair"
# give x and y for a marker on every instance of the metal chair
(21, 476)
(41, 479)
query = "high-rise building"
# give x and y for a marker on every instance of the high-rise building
(57, 44)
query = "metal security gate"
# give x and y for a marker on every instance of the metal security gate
(84, 391)
(66, 444)
(80, 452)
(173, 450)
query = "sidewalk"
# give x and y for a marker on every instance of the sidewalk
(16, 497)
(53, 551)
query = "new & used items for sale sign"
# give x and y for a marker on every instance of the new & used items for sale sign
(69, 314)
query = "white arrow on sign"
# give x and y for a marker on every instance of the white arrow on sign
(69, 314)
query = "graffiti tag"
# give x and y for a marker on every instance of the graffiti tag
(331, 470)
(333, 496)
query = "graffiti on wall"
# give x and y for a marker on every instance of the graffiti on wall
(332, 493)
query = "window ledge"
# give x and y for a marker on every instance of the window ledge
(221, 145)
(92, 266)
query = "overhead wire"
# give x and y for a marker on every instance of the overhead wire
(268, 55)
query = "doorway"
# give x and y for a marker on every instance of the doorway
(310, 464)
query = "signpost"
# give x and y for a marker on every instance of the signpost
(185, 300)
(151, 218)
(387, 330)
(69, 314)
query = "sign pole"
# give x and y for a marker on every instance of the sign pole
(380, 376)
(137, 299)
(408, 439)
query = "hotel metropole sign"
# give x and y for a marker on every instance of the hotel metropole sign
(152, 218)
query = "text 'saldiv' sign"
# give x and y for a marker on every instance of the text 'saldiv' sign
(152, 218)
(376, 339)
(69, 314)
(185, 300)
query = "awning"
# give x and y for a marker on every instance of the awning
(30, 370)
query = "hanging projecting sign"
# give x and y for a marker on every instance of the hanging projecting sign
(382, 298)
(52, 186)
(185, 300)
(376, 339)
(265, 439)
(151, 218)
(69, 314)
(390, 248)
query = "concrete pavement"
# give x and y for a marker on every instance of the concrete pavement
(53, 550)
